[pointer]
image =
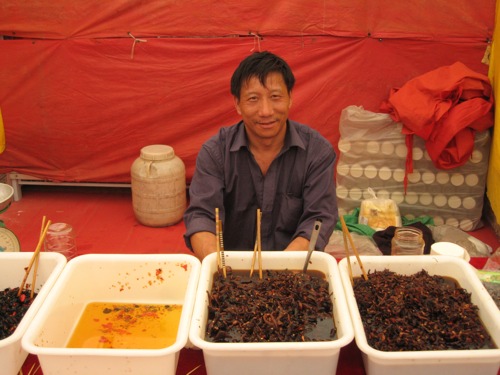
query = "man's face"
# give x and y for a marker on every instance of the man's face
(264, 109)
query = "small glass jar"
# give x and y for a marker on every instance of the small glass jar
(61, 238)
(407, 241)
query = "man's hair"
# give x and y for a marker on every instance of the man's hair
(260, 64)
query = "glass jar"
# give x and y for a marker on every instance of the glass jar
(61, 238)
(407, 241)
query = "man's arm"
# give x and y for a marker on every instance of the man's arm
(297, 244)
(205, 194)
(203, 244)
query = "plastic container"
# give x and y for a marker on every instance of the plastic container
(407, 241)
(158, 179)
(438, 362)
(130, 278)
(12, 271)
(288, 358)
(61, 238)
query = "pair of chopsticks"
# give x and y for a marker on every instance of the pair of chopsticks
(35, 259)
(257, 250)
(347, 235)
(219, 238)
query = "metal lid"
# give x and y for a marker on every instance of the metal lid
(157, 152)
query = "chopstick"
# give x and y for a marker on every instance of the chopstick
(259, 242)
(221, 261)
(217, 237)
(254, 256)
(33, 258)
(257, 249)
(221, 242)
(348, 235)
(37, 260)
(348, 256)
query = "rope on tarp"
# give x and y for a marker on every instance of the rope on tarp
(136, 40)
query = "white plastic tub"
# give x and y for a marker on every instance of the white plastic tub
(12, 271)
(289, 358)
(130, 278)
(438, 362)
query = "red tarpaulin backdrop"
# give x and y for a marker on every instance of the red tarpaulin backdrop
(80, 97)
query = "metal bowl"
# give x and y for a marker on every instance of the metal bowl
(6, 195)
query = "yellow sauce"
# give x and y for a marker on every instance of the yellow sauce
(126, 326)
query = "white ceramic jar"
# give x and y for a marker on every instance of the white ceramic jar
(158, 180)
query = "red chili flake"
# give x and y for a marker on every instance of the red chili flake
(107, 326)
(159, 271)
(122, 331)
(22, 297)
(185, 266)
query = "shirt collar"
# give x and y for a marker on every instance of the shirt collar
(292, 137)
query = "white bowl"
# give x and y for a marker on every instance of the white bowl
(120, 278)
(449, 249)
(12, 271)
(278, 358)
(438, 362)
(6, 195)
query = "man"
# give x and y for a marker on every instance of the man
(264, 162)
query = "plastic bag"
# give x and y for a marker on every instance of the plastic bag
(379, 213)
(372, 154)
(490, 276)
(364, 244)
(493, 262)
(448, 233)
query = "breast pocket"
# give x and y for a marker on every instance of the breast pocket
(291, 208)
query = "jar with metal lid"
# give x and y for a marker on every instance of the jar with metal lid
(158, 180)
(407, 241)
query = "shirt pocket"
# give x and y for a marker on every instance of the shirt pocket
(291, 208)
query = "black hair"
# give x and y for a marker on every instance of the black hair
(260, 64)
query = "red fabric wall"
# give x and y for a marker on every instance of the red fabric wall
(79, 98)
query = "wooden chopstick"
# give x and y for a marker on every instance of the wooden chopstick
(346, 231)
(33, 258)
(259, 243)
(217, 237)
(257, 247)
(254, 256)
(37, 260)
(221, 243)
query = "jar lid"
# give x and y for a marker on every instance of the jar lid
(157, 152)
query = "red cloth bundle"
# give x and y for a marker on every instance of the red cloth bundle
(445, 107)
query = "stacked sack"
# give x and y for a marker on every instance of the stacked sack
(373, 155)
